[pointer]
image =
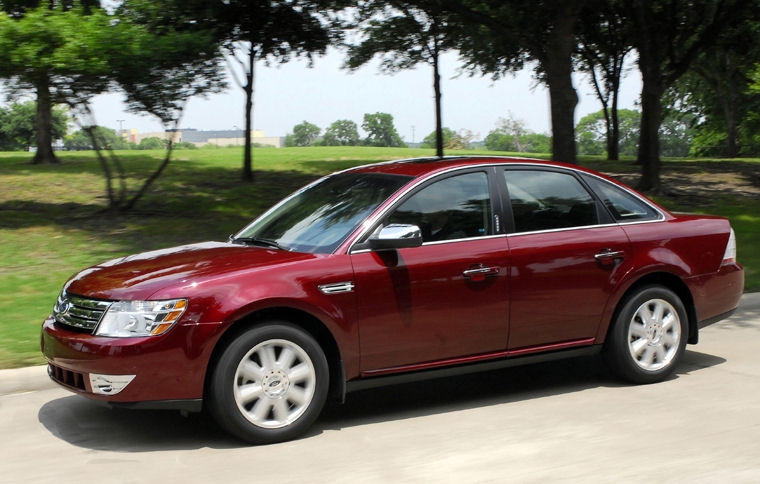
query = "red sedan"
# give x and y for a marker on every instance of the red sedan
(391, 272)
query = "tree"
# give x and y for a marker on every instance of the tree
(342, 132)
(604, 43)
(431, 140)
(273, 31)
(380, 130)
(305, 134)
(158, 65)
(49, 50)
(18, 130)
(405, 34)
(509, 135)
(106, 139)
(592, 133)
(715, 91)
(669, 35)
(498, 37)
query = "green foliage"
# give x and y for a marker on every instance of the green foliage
(592, 133)
(381, 131)
(152, 143)
(106, 139)
(18, 129)
(341, 133)
(676, 135)
(304, 134)
(429, 140)
(513, 135)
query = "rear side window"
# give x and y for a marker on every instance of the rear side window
(458, 207)
(545, 200)
(624, 206)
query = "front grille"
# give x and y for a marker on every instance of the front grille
(65, 377)
(79, 313)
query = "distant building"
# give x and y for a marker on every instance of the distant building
(199, 138)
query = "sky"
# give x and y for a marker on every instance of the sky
(287, 94)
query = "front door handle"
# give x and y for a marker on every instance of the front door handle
(480, 273)
(609, 255)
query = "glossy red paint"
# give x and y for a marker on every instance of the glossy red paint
(412, 309)
(478, 358)
(416, 305)
(558, 288)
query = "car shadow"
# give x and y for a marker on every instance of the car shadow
(86, 424)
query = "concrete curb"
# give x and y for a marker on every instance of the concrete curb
(29, 379)
(35, 378)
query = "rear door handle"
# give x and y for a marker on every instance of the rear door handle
(480, 273)
(609, 255)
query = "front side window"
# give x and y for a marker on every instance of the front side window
(546, 200)
(319, 218)
(457, 207)
(623, 206)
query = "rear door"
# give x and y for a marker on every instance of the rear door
(566, 256)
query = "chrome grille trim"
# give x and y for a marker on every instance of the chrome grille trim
(79, 313)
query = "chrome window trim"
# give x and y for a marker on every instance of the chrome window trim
(364, 227)
(440, 242)
(635, 195)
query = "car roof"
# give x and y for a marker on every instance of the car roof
(417, 167)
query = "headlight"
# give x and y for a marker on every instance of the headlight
(140, 318)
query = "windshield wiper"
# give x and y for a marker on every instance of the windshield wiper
(259, 241)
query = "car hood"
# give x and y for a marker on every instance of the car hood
(139, 276)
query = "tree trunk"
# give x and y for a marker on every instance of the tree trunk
(44, 124)
(649, 141)
(558, 64)
(248, 88)
(613, 140)
(438, 121)
(729, 111)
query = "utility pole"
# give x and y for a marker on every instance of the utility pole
(121, 127)
(412, 134)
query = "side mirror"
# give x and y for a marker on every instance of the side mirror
(396, 236)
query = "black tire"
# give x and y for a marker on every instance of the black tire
(292, 375)
(638, 348)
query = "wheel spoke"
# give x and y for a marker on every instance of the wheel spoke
(660, 352)
(281, 410)
(266, 353)
(644, 314)
(638, 330)
(297, 395)
(287, 357)
(299, 373)
(648, 357)
(639, 345)
(248, 393)
(669, 339)
(261, 409)
(659, 309)
(251, 371)
(668, 321)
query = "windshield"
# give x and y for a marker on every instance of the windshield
(319, 218)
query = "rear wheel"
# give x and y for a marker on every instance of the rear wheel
(270, 383)
(648, 336)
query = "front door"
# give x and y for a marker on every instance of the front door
(445, 299)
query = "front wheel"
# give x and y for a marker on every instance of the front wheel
(648, 336)
(270, 383)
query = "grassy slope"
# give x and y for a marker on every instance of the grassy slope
(52, 219)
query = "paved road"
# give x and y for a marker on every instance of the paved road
(561, 421)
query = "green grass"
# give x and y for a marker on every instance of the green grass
(53, 220)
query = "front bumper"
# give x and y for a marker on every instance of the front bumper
(171, 366)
